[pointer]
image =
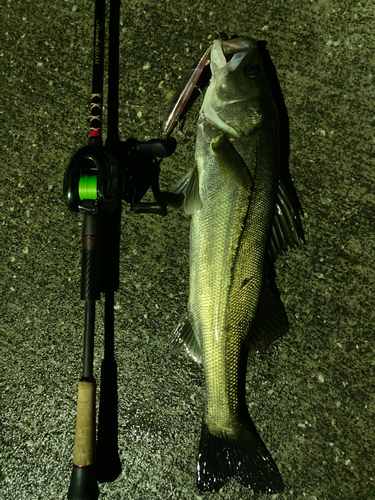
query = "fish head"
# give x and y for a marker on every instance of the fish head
(235, 99)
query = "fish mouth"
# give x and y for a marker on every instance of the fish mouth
(226, 57)
(240, 44)
(230, 53)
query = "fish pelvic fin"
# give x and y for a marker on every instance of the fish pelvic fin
(186, 192)
(185, 338)
(245, 458)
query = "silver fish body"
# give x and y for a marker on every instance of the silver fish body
(232, 197)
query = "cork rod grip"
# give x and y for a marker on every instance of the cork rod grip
(84, 445)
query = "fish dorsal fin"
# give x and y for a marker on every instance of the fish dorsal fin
(185, 338)
(230, 162)
(188, 187)
(284, 230)
(270, 321)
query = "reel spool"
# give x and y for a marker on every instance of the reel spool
(91, 183)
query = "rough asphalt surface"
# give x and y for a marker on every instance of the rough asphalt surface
(311, 395)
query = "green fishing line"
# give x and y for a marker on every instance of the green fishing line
(87, 187)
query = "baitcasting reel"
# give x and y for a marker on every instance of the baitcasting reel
(95, 182)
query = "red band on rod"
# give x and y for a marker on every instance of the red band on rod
(95, 133)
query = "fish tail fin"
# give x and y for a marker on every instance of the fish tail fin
(244, 457)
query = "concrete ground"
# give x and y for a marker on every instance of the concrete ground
(311, 395)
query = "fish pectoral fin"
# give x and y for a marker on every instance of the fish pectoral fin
(284, 232)
(270, 322)
(230, 162)
(186, 192)
(185, 338)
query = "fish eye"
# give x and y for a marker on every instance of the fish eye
(252, 69)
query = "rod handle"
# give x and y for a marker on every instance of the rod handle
(83, 483)
(84, 444)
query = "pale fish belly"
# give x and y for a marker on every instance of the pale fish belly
(214, 237)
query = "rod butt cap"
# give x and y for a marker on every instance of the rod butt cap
(83, 484)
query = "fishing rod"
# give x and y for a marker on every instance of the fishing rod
(96, 181)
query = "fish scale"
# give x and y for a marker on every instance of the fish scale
(214, 236)
(231, 309)
(228, 242)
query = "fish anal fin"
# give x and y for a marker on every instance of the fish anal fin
(270, 322)
(185, 338)
(230, 162)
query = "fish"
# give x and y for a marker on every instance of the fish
(241, 220)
